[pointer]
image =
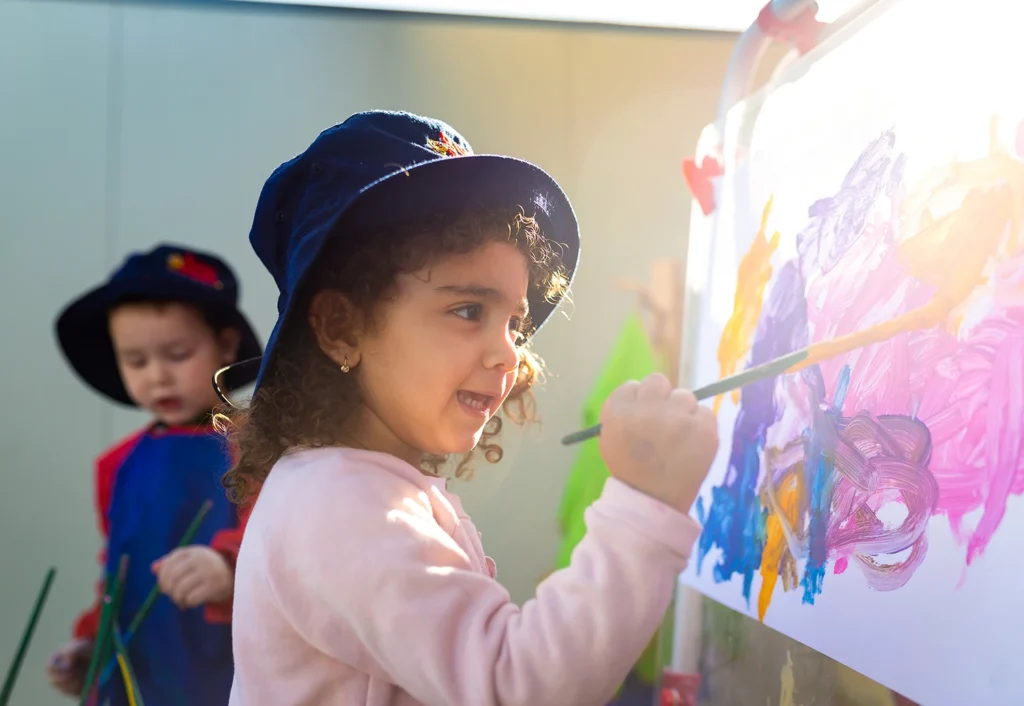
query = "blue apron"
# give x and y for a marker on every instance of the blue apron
(179, 659)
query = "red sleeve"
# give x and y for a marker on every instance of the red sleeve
(227, 542)
(107, 465)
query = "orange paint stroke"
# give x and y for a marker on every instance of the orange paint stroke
(754, 273)
(951, 253)
(787, 505)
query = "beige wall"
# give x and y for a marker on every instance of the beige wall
(126, 124)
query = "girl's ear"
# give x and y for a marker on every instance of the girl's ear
(229, 340)
(333, 319)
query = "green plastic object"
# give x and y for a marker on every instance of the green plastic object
(632, 358)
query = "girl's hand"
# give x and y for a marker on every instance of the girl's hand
(67, 666)
(658, 440)
(192, 576)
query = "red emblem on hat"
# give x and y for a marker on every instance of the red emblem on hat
(190, 266)
(447, 147)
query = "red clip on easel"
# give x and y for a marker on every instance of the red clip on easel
(698, 179)
(801, 32)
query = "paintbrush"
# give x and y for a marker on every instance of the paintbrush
(931, 314)
(728, 384)
(26, 638)
(102, 645)
(186, 538)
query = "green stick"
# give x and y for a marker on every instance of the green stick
(728, 384)
(154, 593)
(109, 647)
(103, 632)
(186, 538)
(26, 638)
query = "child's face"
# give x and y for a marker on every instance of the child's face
(167, 355)
(444, 356)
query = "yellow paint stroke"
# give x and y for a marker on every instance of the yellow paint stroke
(788, 683)
(776, 557)
(951, 252)
(754, 273)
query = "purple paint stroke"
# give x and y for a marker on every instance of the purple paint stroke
(735, 519)
(839, 220)
(967, 393)
(836, 225)
(877, 461)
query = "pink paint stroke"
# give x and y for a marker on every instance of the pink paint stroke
(968, 390)
(879, 461)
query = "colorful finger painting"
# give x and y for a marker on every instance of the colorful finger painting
(869, 502)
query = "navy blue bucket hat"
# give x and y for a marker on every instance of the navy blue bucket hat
(166, 273)
(381, 168)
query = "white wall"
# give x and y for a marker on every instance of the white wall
(124, 124)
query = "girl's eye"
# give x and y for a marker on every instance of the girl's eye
(135, 363)
(470, 312)
(178, 356)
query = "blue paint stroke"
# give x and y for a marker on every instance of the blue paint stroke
(820, 470)
(736, 521)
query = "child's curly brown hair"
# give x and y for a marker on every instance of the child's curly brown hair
(304, 402)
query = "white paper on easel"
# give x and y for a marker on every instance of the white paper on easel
(870, 506)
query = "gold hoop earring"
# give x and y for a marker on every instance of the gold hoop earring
(344, 366)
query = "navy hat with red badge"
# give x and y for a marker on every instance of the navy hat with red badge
(170, 273)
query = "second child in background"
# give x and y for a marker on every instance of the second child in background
(153, 336)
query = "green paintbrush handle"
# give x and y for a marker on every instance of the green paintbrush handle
(26, 638)
(103, 632)
(155, 591)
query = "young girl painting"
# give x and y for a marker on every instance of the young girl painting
(413, 275)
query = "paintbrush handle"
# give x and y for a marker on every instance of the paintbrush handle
(727, 384)
(26, 638)
(154, 593)
(100, 645)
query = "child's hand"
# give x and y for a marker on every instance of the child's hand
(658, 440)
(192, 576)
(67, 666)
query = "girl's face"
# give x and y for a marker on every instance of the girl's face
(443, 356)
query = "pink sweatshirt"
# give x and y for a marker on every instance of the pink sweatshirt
(362, 581)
